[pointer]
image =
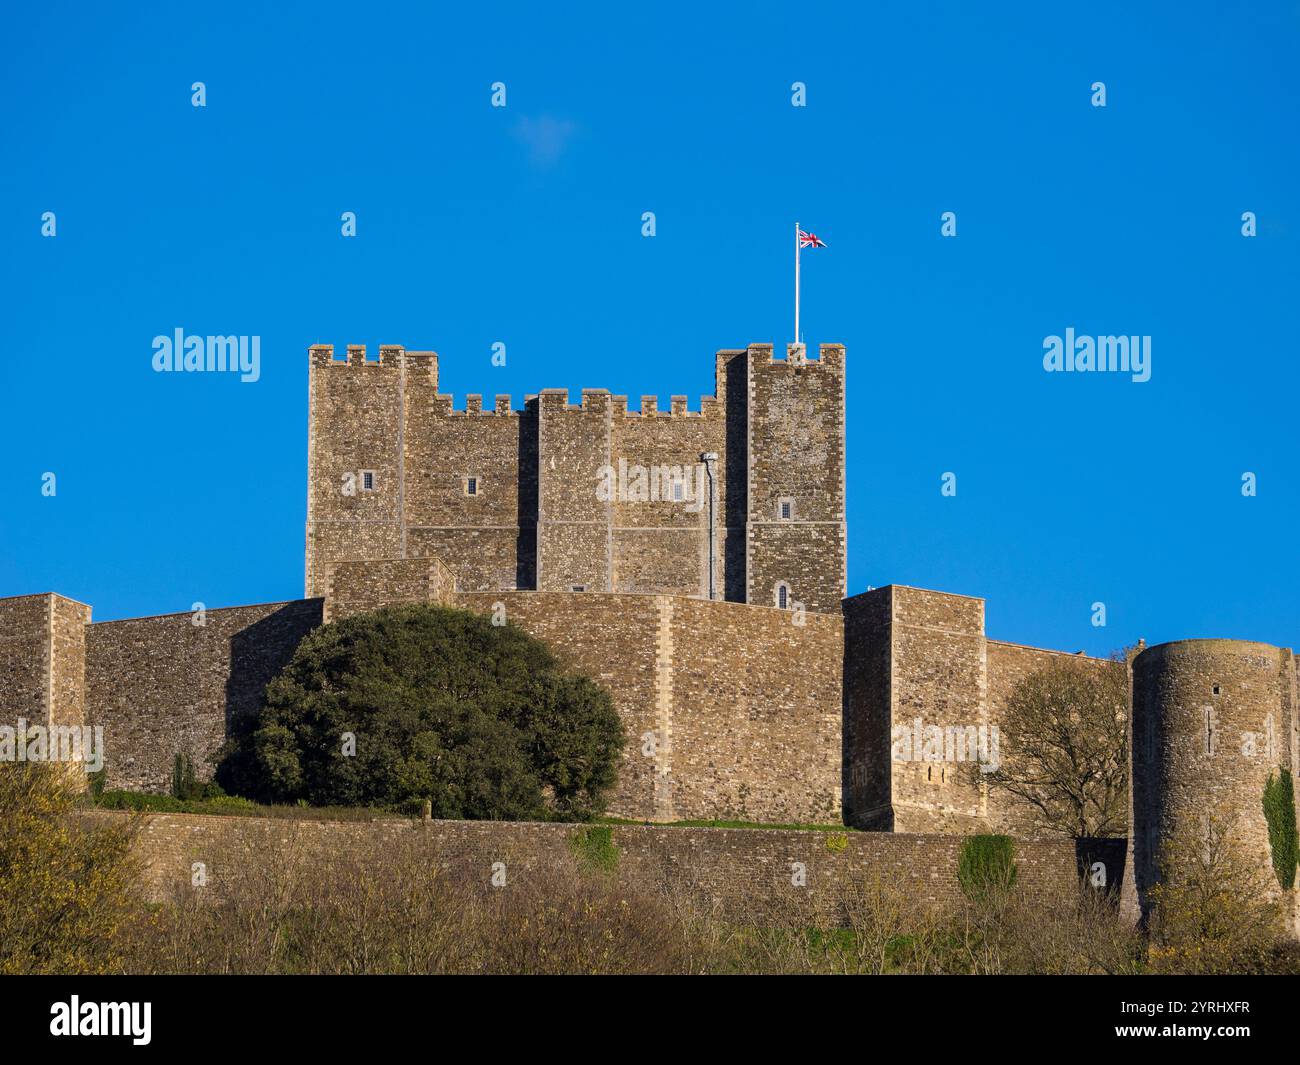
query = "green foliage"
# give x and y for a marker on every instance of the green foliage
(837, 842)
(479, 719)
(185, 785)
(96, 782)
(986, 866)
(1279, 812)
(67, 886)
(594, 848)
(149, 802)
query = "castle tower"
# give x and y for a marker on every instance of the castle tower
(795, 527)
(43, 664)
(354, 458)
(745, 496)
(1211, 720)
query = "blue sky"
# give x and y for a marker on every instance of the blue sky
(523, 225)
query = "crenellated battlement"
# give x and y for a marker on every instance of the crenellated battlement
(679, 407)
(796, 356)
(444, 405)
(514, 503)
(391, 356)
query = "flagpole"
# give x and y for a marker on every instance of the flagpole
(796, 283)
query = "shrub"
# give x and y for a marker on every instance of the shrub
(1279, 812)
(66, 886)
(986, 867)
(1212, 910)
(479, 719)
(594, 848)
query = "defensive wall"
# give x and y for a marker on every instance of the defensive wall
(742, 874)
(732, 711)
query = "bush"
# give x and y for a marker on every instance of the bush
(1279, 812)
(440, 704)
(594, 848)
(986, 866)
(67, 888)
(1212, 911)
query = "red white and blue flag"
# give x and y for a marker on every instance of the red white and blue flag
(802, 239)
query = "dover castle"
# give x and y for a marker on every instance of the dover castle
(692, 562)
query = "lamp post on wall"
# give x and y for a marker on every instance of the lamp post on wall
(710, 457)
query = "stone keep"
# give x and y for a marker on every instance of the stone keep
(509, 499)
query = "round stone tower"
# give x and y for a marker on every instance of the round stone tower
(1211, 720)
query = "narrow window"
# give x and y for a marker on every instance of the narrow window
(367, 480)
(677, 491)
(783, 595)
(471, 486)
(1209, 730)
(1216, 689)
(785, 510)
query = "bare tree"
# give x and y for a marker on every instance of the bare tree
(1065, 749)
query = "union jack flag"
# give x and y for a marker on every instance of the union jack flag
(810, 240)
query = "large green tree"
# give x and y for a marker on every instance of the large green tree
(426, 702)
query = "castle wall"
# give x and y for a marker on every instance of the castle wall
(740, 874)
(919, 661)
(489, 536)
(939, 680)
(660, 545)
(796, 452)
(868, 660)
(42, 654)
(573, 522)
(756, 713)
(360, 587)
(1008, 665)
(613, 639)
(162, 686)
(1211, 720)
(730, 712)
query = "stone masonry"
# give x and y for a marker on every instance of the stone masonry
(741, 500)
(692, 563)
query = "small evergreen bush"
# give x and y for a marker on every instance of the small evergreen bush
(1279, 812)
(986, 866)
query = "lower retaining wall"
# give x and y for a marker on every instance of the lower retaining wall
(738, 873)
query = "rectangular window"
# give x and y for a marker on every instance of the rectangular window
(367, 480)
(579, 588)
(677, 491)
(785, 510)
(471, 486)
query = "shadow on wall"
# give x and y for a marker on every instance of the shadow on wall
(1102, 862)
(258, 654)
(526, 544)
(737, 481)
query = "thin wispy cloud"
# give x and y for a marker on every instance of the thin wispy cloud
(546, 138)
